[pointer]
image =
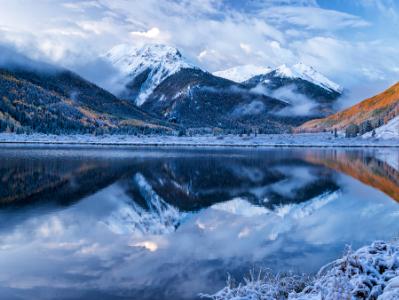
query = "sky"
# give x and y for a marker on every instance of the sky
(355, 43)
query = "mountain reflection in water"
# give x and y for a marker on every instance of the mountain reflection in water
(131, 223)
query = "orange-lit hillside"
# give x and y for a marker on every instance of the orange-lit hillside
(382, 106)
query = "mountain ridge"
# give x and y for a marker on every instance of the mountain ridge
(162, 82)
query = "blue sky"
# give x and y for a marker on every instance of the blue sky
(354, 42)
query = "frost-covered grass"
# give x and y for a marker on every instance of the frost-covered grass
(262, 285)
(262, 140)
(371, 272)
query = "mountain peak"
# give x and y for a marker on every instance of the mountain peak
(308, 73)
(157, 61)
(127, 57)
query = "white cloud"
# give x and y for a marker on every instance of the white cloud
(151, 34)
(314, 18)
(82, 5)
(96, 27)
(202, 54)
(246, 48)
(214, 34)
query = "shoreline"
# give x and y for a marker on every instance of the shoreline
(182, 145)
(308, 140)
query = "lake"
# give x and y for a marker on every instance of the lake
(142, 223)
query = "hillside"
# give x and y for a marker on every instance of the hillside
(59, 101)
(378, 110)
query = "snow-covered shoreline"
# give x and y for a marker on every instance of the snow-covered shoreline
(372, 272)
(261, 140)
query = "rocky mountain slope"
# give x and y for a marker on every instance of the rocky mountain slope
(43, 98)
(376, 110)
(194, 98)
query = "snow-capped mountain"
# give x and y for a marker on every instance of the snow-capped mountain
(143, 69)
(309, 92)
(242, 73)
(297, 71)
(305, 72)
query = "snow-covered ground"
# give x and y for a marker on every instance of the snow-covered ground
(387, 131)
(371, 272)
(264, 140)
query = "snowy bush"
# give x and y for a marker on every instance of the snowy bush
(369, 273)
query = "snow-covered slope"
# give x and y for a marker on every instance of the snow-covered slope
(153, 63)
(307, 73)
(242, 73)
(387, 131)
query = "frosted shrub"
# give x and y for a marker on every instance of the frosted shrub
(369, 273)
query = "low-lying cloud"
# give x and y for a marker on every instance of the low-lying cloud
(253, 108)
(299, 104)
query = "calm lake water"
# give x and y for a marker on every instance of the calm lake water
(120, 223)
